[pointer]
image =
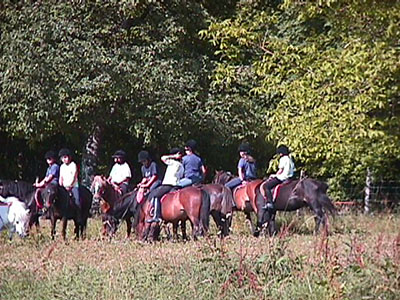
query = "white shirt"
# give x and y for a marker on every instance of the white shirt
(173, 173)
(120, 172)
(286, 163)
(67, 173)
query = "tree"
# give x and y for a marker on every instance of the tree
(329, 75)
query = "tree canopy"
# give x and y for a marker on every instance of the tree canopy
(319, 76)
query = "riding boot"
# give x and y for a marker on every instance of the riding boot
(157, 211)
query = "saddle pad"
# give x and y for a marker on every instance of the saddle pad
(278, 188)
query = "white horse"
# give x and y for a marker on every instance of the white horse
(14, 216)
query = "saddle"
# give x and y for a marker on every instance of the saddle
(276, 190)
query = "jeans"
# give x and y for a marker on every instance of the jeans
(233, 183)
(184, 182)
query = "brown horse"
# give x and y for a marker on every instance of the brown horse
(296, 194)
(245, 199)
(115, 206)
(189, 203)
(221, 202)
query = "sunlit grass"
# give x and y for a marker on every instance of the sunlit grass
(360, 258)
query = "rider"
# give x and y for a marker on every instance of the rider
(246, 167)
(120, 174)
(285, 172)
(195, 170)
(149, 170)
(52, 176)
(172, 176)
(69, 178)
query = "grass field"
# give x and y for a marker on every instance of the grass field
(359, 260)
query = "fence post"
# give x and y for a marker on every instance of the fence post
(367, 197)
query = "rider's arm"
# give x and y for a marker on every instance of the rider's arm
(241, 174)
(150, 181)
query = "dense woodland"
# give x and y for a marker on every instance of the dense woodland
(322, 77)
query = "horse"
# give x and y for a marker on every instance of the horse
(220, 206)
(189, 203)
(61, 206)
(124, 209)
(14, 216)
(245, 199)
(25, 192)
(113, 206)
(295, 194)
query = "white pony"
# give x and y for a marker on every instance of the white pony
(14, 216)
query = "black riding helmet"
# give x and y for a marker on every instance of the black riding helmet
(244, 147)
(282, 149)
(119, 154)
(50, 154)
(143, 155)
(64, 152)
(192, 144)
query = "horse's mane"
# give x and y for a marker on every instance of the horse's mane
(18, 188)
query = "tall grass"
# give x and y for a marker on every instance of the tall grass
(360, 259)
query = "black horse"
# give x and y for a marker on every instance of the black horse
(25, 192)
(126, 209)
(61, 206)
(296, 194)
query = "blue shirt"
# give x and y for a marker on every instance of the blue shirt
(249, 168)
(54, 170)
(192, 165)
(150, 171)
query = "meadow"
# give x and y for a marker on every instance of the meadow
(360, 259)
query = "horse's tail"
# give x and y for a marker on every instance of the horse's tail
(326, 203)
(204, 211)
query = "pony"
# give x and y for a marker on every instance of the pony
(125, 209)
(220, 206)
(61, 206)
(295, 194)
(25, 192)
(14, 216)
(189, 203)
(245, 198)
(114, 205)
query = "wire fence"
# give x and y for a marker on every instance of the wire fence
(382, 195)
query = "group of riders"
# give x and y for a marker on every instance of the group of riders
(184, 168)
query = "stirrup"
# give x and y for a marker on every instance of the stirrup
(157, 220)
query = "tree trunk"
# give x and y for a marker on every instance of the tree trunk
(367, 198)
(90, 156)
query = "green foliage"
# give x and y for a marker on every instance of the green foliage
(328, 72)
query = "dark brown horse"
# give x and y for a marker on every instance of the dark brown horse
(61, 206)
(190, 203)
(245, 199)
(115, 202)
(221, 202)
(296, 194)
(25, 192)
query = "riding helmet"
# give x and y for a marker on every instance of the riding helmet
(282, 149)
(192, 144)
(119, 154)
(50, 154)
(143, 155)
(244, 147)
(64, 152)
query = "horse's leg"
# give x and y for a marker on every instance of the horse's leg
(320, 217)
(128, 227)
(218, 221)
(175, 231)
(248, 219)
(272, 225)
(64, 228)
(53, 222)
(183, 229)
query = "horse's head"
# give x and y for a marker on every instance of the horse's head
(110, 224)
(49, 195)
(98, 188)
(18, 216)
